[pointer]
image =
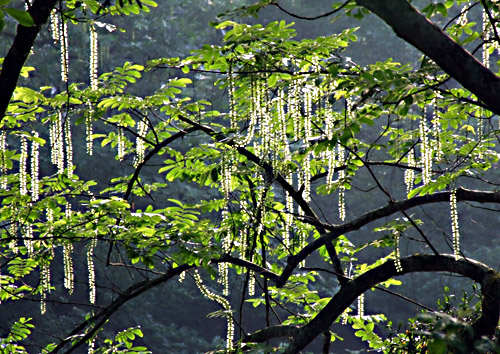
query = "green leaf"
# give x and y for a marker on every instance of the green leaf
(23, 17)
(2, 20)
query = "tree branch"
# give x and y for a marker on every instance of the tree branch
(391, 208)
(99, 319)
(20, 49)
(480, 273)
(409, 24)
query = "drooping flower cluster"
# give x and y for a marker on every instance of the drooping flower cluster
(140, 148)
(68, 260)
(63, 41)
(121, 144)
(94, 57)
(397, 254)
(341, 189)
(436, 132)
(222, 266)
(361, 305)
(410, 172)
(91, 270)
(232, 104)
(54, 26)
(89, 128)
(57, 142)
(486, 37)
(454, 223)
(69, 146)
(44, 286)
(223, 302)
(23, 176)
(425, 151)
(3, 160)
(35, 168)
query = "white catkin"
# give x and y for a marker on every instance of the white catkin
(425, 152)
(342, 175)
(243, 244)
(307, 178)
(54, 26)
(436, 130)
(224, 303)
(94, 57)
(227, 173)
(121, 144)
(232, 104)
(295, 108)
(254, 103)
(140, 148)
(89, 128)
(44, 286)
(265, 124)
(226, 248)
(91, 343)
(182, 276)
(462, 19)
(13, 233)
(23, 177)
(68, 267)
(361, 305)
(91, 270)
(35, 169)
(57, 142)
(68, 260)
(64, 51)
(43, 303)
(330, 153)
(397, 254)
(454, 223)
(486, 37)
(288, 214)
(287, 158)
(308, 98)
(28, 238)
(345, 315)
(69, 146)
(3, 160)
(251, 283)
(410, 172)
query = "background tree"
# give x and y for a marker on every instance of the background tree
(304, 150)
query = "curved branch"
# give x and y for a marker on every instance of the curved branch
(247, 264)
(393, 207)
(480, 273)
(310, 18)
(151, 154)
(413, 27)
(20, 49)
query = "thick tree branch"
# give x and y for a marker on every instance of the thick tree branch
(391, 208)
(409, 24)
(20, 49)
(488, 278)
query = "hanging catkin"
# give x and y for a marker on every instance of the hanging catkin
(35, 185)
(225, 304)
(23, 177)
(94, 57)
(454, 223)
